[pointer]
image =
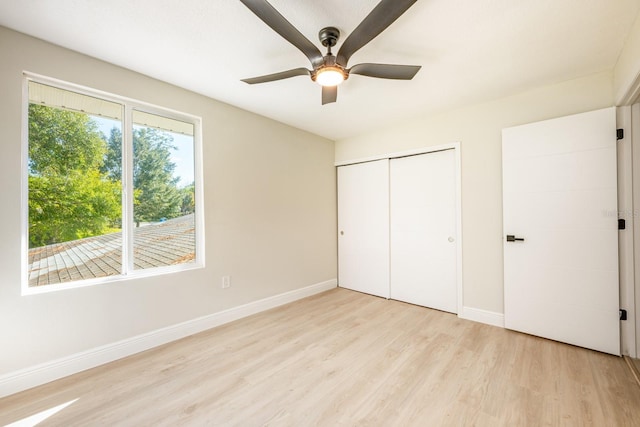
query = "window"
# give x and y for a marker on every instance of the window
(113, 188)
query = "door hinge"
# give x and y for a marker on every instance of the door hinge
(622, 224)
(619, 134)
(623, 314)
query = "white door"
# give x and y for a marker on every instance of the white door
(363, 227)
(423, 230)
(560, 196)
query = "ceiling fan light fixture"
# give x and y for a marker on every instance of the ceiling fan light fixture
(331, 70)
(330, 76)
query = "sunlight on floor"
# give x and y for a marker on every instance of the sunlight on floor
(40, 416)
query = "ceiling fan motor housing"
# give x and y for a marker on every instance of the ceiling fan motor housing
(329, 36)
(330, 70)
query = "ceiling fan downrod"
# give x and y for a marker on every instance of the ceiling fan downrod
(329, 37)
(329, 70)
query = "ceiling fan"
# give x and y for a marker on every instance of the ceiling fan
(329, 70)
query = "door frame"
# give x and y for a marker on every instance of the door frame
(455, 146)
(627, 117)
(627, 185)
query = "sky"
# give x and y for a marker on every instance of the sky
(182, 156)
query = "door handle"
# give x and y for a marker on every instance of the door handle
(512, 238)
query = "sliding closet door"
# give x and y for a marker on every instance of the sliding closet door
(423, 230)
(363, 227)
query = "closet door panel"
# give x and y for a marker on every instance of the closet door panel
(363, 227)
(423, 230)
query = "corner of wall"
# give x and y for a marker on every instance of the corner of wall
(626, 73)
(482, 316)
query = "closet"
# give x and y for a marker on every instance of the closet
(397, 228)
(363, 224)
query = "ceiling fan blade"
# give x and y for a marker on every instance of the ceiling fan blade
(383, 15)
(270, 16)
(329, 94)
(386, 71)
(278, 76)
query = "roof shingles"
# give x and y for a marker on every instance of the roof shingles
(161, 244)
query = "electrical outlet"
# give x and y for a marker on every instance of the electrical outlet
(226, 282)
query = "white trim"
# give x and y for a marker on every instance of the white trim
(423, 150)
(126, 150)
(23, 379)
(128, 105)
(634, 130)
(24, 190)
(456, 146)
(482, 316)
(199, 191)
(625, 237)
(134, 274)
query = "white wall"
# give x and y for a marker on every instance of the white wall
(478, 129)
(269, 217)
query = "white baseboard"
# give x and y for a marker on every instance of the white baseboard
(24, 379)
(482, 316)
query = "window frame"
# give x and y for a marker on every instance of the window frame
(128, 272)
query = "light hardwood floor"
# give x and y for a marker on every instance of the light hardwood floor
(634, 365)
(344, 358)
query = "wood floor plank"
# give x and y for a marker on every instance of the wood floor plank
(345, 358)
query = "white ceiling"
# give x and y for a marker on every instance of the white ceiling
(470, 50)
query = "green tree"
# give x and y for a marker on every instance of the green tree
(61, 141)
(69, 197)
(63, 208)
(156, 194)
(188, 199)
(112, 165)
